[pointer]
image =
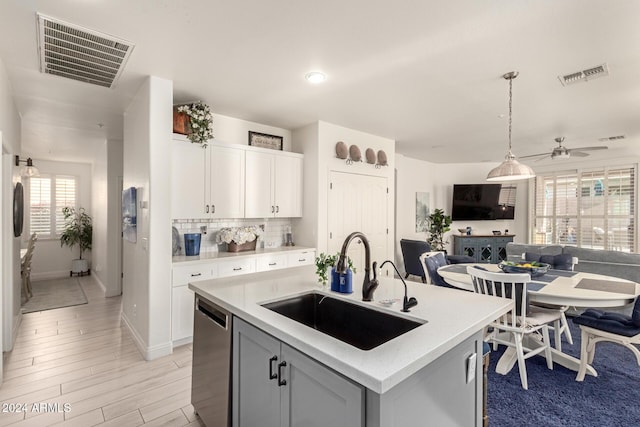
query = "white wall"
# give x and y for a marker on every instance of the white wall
(437, 179)
(236, 131)
(317, 141)
(107, 172)
(146, 294)
(50, 260)
(10, 130)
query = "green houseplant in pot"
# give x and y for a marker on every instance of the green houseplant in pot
(77, 230)
(325, 268)
(439, 223)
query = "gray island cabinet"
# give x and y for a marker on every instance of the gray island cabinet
(287, 374)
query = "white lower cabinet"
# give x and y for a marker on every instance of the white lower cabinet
(181, 314)
(236, 267)
(276, 385)
(271, 262)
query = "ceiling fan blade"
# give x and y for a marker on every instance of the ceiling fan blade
(600, 147)
(533, 155)
(575, 153)
(548, 156)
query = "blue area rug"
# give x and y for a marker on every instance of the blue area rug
(555, 398)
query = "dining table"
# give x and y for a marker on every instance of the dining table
(559, 288)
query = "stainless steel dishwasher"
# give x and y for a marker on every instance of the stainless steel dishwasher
(211, 368)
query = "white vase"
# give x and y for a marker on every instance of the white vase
(79, 266)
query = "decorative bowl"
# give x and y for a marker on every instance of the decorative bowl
(535, 269)
(462, 230)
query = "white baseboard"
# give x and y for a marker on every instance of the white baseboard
(183, 341)
(149, 353)
(99, 282)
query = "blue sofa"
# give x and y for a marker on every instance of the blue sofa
(611, 263)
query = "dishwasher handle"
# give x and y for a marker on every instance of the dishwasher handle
(213, 313)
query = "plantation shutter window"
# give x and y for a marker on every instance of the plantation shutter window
(48, 194)
(590, 208)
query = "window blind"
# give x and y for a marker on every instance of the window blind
(589, 208)
(48, 194)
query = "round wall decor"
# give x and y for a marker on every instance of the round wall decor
(355, 154)
(18, 209)
(382, 158)
(341, 150)
(370, 156)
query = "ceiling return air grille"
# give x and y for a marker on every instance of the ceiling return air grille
(584, 75)
(77, 53)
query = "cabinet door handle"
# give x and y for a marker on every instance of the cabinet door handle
(272, 375)
(281, 381)
(206, 209)
(213, 208)
(237, 269)
(196, 274)
(277, 208)
(273, 263)
(301, 259)
(272, 209)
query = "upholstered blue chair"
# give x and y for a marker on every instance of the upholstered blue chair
(411, 251)
(598, 326)
(430, 262)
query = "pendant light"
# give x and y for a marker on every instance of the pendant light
(29, 170)
(510, 169)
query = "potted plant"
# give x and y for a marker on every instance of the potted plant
(77, 230)
(200, 122)
(339, 282)
(439, 223)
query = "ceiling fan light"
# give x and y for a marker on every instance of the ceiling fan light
(510, 170)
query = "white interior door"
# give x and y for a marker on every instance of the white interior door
(358, 203)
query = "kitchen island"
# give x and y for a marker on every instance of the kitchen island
(432, 372)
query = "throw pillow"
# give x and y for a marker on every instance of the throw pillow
(558, 262)
(635, 317)
(532, 256)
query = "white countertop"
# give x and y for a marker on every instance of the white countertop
(452, 316)
(212, 256)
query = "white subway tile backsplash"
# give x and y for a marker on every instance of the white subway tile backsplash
(274, 231)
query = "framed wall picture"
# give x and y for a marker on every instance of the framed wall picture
(129, 215)
(422, 212)
(264, 140)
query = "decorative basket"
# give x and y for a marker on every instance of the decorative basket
(536, 270)
(235, 247)
(181, 123)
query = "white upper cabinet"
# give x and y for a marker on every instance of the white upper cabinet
(226, 180)
(189, 193)
(273, 185)
(207, 182)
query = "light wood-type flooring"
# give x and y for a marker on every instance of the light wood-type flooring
(78, 366)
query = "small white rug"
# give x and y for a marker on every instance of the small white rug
(55, 293)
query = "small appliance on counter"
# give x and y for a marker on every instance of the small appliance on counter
(288, 237)
(192, 244)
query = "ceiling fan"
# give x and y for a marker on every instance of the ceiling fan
(562, 152)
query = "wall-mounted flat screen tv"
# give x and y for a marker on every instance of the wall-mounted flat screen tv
(473, 202)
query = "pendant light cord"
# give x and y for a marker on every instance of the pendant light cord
(510, 108)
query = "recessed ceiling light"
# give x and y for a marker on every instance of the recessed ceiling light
(315, 77)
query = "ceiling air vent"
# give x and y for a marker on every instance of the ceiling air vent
(611, 138)
(77, 53)
(584, 75)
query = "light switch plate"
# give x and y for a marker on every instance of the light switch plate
(471, 367)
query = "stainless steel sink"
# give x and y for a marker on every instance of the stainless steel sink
(354, 324)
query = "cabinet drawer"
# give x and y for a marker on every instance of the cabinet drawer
(192, 273)
(236, 267)
(271, 262)
(300, 258)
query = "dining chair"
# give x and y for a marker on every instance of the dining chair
(563, 262)
(411, 250)
(25, 267)
(521, 320)
(598, 326)
(430, 262)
